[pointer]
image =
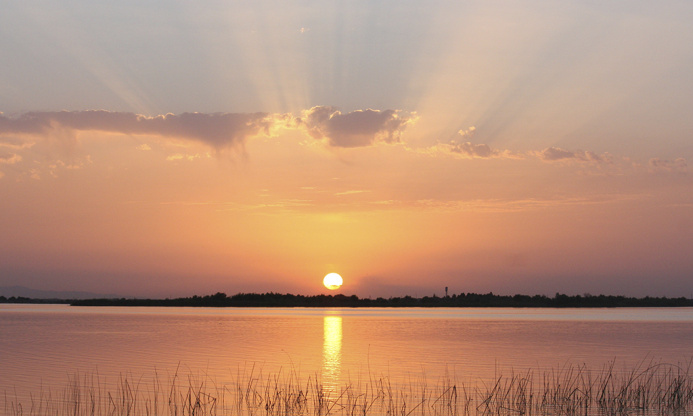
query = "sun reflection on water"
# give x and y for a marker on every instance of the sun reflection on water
(332, 351)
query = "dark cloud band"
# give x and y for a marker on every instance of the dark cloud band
(218, 129)
(355, 129)
(358, 128)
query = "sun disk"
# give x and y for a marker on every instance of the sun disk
(333, 281)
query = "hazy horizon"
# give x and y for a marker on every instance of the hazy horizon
(171, 149)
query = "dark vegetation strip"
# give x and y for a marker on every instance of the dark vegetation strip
(461, 300)
(657, 389)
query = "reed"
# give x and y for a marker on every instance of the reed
(572, 390)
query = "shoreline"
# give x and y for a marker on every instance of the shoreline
(462, 300)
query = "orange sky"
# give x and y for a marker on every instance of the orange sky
(483, 147)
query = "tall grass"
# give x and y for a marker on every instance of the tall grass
(649, 388)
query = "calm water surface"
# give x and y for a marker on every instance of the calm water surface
(42, 345)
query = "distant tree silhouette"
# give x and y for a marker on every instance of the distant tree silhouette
(461, 300)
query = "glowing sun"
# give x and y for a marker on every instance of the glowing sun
(332, 281)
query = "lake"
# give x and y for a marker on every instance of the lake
(42, 346)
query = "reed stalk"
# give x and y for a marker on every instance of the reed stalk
(572, 390)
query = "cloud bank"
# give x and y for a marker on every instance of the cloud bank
(469, 150)
(603, 163)
(359, 128)
(219, 130)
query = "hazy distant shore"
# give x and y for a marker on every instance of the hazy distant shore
(460, 300)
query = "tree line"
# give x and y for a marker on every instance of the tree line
(272, 299)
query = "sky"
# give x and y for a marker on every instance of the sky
(173, 148)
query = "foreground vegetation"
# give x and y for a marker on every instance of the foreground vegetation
(654, 389)
(461, 300)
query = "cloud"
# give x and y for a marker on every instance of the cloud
(218, 130)
(556, 154)
(467, 133)
(190, 158)
(506, 205)
(679, 165)
(469, 150)
(357, 128)
(352, 192)
(13, 142)
(62, 165)
(10, 158)
(473, 150)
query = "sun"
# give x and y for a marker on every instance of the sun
(332, 281)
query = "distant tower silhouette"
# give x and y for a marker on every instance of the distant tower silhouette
(446, 291)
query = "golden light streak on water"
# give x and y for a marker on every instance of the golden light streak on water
(332, 351)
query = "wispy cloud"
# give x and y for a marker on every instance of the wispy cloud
(679, 165)
(352, 192)
(10, 158)
(606, 162)
(469, 150)
(12, 142)
(505, 205)
(588, 162)
(556, 154)
(466, 149)
(188, 157)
